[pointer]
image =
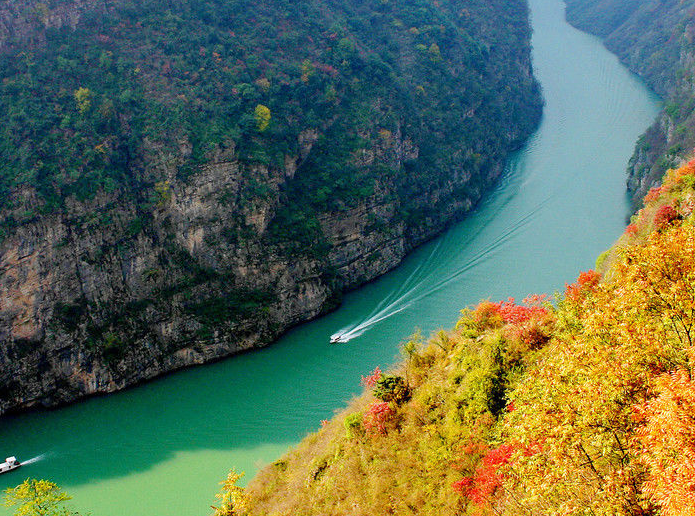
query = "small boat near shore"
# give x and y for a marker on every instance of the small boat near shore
(9, 464)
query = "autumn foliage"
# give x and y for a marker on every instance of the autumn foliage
(370, 380)
(516, 314)
(664, 215)
(480, 487)
(231, 498)
(509, 312)
(586, 283)
(584, 404)
(653, 194)
(612, 400)
(666, 442)
(377, 417)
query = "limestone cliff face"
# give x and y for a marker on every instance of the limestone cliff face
(192, 255)
(74, 293)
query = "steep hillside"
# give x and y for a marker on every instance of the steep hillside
(657, 41)
(585, 405)
(182, 180)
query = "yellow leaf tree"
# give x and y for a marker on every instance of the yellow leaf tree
(262, 116)
(83, 98)
(667, 442)
(37, 498)
(231, 498)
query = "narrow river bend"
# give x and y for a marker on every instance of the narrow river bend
(161, 449)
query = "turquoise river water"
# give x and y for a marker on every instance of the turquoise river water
(161, 449)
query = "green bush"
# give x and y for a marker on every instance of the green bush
(353, 425)
(392, 388)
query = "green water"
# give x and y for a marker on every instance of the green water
(161, 449)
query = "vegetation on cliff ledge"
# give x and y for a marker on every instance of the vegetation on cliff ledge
(136, 88)
(584, 405)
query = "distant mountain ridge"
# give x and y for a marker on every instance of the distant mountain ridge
(182, 180)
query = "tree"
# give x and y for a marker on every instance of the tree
(232, 498)
(667, 443)
(37, 498)
(607, 358)
(392, 388)
(83, 98)
(262, 116)
(435, 53)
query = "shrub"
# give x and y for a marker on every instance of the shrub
(653, 194)
(514, 313)
(487, 315)
(586, 282)
(377, 417)
(353, 425)
(392, 388)
(533, 334)
(481, 487)
(370, 380)
(664, 216)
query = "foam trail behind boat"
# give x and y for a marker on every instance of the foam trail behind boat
(33, 460)
(407, 294)
(390, 305)
(485, 252)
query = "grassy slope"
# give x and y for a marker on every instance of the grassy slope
(529, 409)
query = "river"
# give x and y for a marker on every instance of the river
(161, 449)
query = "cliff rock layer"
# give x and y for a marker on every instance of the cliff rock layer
(185, 180)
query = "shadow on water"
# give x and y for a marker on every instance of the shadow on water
(162, 447)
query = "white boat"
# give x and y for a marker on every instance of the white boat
(336, 338)
(9, 464)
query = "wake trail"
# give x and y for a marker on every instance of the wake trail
(35, 459)
(486, 251)
(399, 301)
(389, 306)
(412, 281)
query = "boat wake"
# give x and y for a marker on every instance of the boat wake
(35, 459)
(411, 291)
(392, 304)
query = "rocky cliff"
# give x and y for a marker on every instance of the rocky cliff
(656, 39)
(159, 250)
